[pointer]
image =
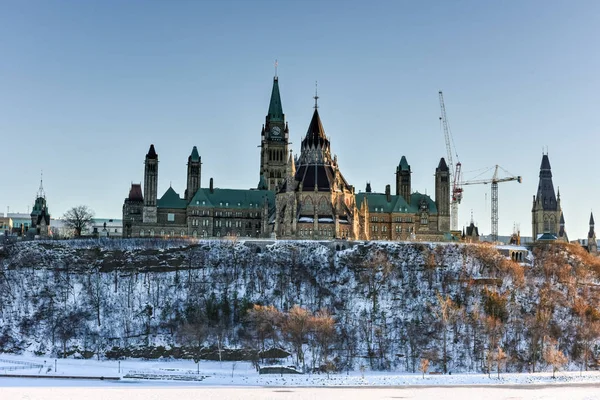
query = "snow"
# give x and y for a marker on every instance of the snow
(305, 219)
(228, 373)
(241, 380)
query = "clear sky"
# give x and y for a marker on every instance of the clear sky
(87, 86)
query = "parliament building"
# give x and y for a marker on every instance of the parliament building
(303, 196)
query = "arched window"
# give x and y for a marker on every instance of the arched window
(152, 232)
(142, 233)
(195, 234)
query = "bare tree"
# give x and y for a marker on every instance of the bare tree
(297, 325)
(553, 356)
(78, 218)
(424, 366)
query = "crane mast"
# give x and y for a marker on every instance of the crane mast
(494, 181)
(456, 193)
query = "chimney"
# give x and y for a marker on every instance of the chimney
(211, 185)
(388, 193)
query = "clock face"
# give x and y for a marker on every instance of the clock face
(275, 131)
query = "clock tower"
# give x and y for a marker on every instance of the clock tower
(274, 143)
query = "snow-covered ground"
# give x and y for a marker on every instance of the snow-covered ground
(179, 379)
(213, 373)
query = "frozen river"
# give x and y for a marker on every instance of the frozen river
(18, 389)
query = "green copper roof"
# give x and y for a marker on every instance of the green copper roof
(403, 164)
(195, 156)
(171, 200)
(275, 109)
(377, 202)
(232, 198)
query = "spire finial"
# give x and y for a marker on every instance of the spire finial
(41, 189)
(316, 95)
(276, 68)
(471, 215)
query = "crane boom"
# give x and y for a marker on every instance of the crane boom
(454, 170)
(494, 181)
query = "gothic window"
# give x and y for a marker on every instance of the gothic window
(195, 233)
(162, 233)
(152, 232)
(182, 233)
(142, 232)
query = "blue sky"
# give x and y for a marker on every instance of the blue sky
(87, 86)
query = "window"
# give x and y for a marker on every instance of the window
(142, 233)
(171, 217)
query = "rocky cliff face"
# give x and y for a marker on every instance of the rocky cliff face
(393, 303)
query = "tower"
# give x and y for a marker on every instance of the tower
(274, 142)
(403, 179)
(442, 195)
(193, 174)
(592, 242)
(40, 216)
(546, 211)
(150, 186)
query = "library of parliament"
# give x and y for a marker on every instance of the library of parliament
(297, 197)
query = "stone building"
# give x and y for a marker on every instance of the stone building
(547, 218)
(296, 198)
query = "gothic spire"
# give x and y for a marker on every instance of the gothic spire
(195, 156)
(152, 153)
(545, 193)
(41, 192)
(275, 108)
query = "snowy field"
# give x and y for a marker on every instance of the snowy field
(182, 379)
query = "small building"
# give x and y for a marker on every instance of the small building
(6, 225)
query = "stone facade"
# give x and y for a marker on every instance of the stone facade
(546, 214)
(297, 198)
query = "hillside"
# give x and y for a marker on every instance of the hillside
(379, 305)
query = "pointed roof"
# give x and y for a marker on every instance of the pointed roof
(442, 166)
(403, 166)
(562, 219)
(291, 164)
(171, 200)
(195, 156)
(275, 108)
(545, 193)
(152, 153)
(315, 134)
(545, 162)
(135, 193)
(591, 218)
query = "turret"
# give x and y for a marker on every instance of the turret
(442, 195)
(403, 179)
(274, 141)
(193, 174)
(150, 186)
(592, 243)
(546, 211)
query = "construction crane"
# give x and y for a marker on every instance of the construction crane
(495, 181)
(456, 194)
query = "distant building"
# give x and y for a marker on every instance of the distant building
(104, 227)
(6, 226)
(547, 219)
